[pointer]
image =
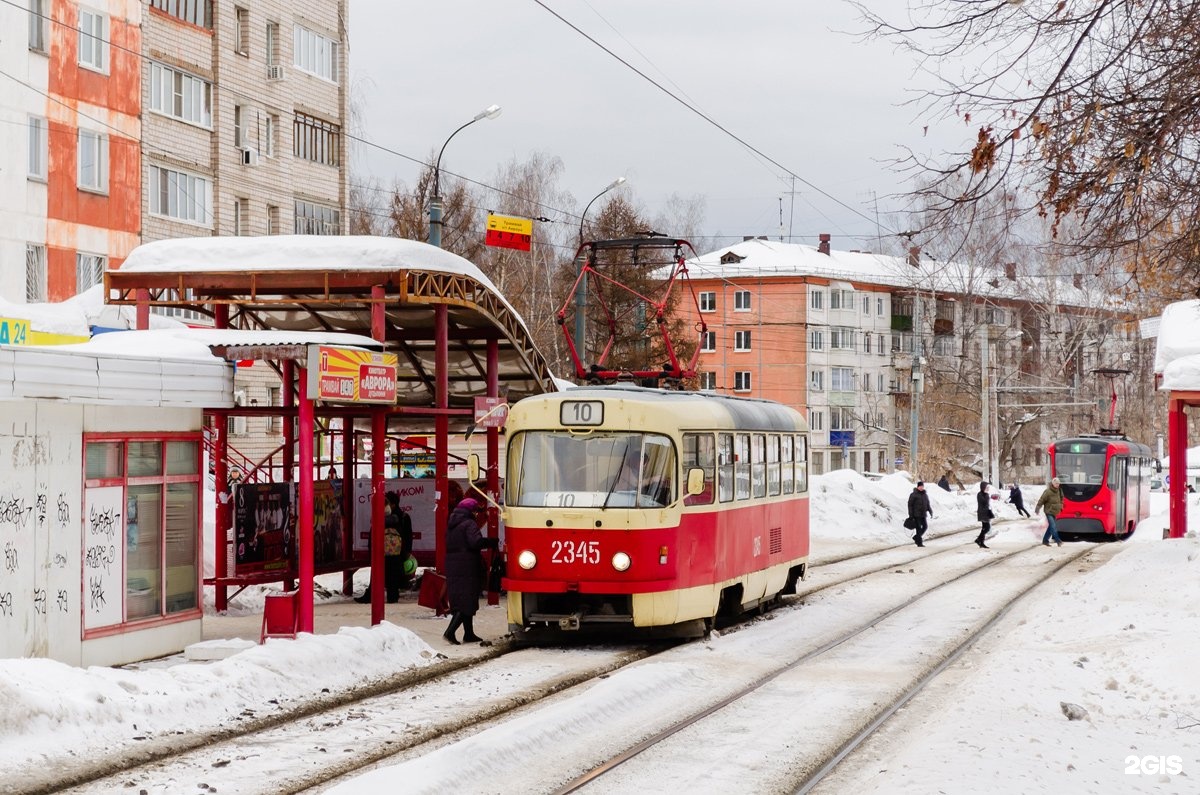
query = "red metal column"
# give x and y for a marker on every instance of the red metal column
(348, 500)
(289, 427)
(142, 313)
(441, 458)
(305, 544)
(378, 453)
(221, 315)
(220, 455)
(1177, 449)
(493, 452)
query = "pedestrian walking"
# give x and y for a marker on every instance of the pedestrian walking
(1052, 501)
(918, 509)
(1018, 500)
(464, 567)
(983, 512)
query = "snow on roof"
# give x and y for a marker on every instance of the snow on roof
(76, 315)
(760, 258)
(1177, 354)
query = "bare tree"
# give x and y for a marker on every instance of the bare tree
(1090, 106)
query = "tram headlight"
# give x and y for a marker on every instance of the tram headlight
(621, 561)
(526, 560)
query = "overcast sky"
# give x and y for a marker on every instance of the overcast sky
(788, 77)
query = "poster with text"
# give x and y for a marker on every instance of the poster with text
(328, 538)
(264, 525)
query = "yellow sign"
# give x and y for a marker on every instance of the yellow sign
(14, 331)
(351, 375)
(508, 232)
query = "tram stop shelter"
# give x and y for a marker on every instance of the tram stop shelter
(449, 334)
(1177, 370)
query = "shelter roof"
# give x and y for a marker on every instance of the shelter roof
(329, 284)
(1177, 353)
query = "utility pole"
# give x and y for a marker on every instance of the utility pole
(918, 385)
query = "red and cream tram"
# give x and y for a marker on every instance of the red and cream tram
(1105, 481)
(647, 508)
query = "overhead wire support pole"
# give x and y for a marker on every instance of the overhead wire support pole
(582, 257)
(435, 199)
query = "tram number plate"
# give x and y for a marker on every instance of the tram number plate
(581, 412)
(575, 552)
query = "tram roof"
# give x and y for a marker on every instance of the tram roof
(700, 409)
(310, 283)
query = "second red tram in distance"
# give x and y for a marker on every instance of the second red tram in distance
(1105, 481)
(628, 507)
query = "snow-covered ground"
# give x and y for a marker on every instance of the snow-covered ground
(1118, 642)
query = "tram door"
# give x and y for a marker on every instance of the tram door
(1118, 473)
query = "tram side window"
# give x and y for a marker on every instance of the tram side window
(725, 475)
(787, 475)
(741, 457)
(758, 470)
(801, 458)
(773, 465)
(700, 452)
(1114, 466)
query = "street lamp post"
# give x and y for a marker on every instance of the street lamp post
(581, 293)
(435, 200)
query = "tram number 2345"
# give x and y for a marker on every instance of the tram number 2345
(575, 552)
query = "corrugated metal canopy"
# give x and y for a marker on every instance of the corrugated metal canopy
(330, 284)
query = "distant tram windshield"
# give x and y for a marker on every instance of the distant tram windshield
(597, 470)
(1079, 468)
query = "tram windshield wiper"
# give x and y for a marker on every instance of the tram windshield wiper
(612, 487)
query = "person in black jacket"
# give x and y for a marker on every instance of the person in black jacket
(983, 512)
(1018, 500)
(464, 567)
(918, 509)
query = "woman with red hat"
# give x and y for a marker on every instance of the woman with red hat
(464, 566)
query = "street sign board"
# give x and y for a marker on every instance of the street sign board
(351, 375)
(505, 231)
(490, 412)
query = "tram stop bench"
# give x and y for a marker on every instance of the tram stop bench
(281, 616)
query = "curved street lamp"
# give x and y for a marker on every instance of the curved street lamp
(581, 293)
(435, 200)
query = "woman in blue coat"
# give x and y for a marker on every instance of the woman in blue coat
(464, 566)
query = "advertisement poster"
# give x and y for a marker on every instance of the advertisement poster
(264, 525)
(418, 496)
(328, 538)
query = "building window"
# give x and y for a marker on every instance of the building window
(879, 345)
(866, 304)
(197, 12)
(866, 343)
(816, 421)
(93, 161)
(241, 30)
(274, 423)
(36, 289)
(741, 301)
(39, 150)
(239, 116)
(89, 270)
(241, 216)
(316, 140)
(816, 380)
(180, 95)
(741, 381)
(93, 38)
(315, 54)
(841, 339)
(272, 44)
(273, 219)
(317, 219)
(708, 341)
(708, 302)
(741, 340)
(841, 379)
(708, 381)
(179, 195)
(152, 484)
(817, 299)
(37, 25)
(269, 133)
(866, 382)
(816, 340)
(879, 306)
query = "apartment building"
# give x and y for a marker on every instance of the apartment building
(851, 338)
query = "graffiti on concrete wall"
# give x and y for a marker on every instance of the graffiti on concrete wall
(102, 575)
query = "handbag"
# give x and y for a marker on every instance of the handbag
(991, 514)
(910, 523)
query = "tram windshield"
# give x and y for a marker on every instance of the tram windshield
(595, 470)
(1079, 469)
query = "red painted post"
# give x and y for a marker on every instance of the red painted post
(220, 455)
(305, 545)
(1177, 449)
(220, 315)
(493, 452)
(441, 458)
(348, 454)
(288, 375)
(378, 435)
(142, 313)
